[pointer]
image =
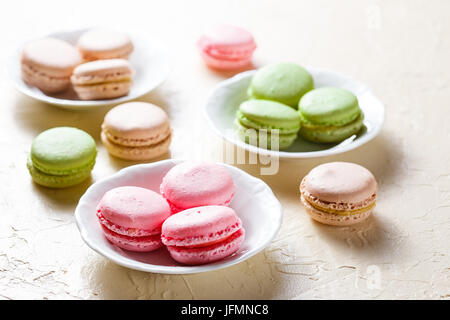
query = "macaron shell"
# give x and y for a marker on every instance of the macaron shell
(103, 43)
(63, 151)
(252, 136)
(329, 106)
(137, 153)
(265, 114)
(58, 181)
(136, 244)
(331, 134)
(282, 82)
(134, 207)
(200, 226)
(193, 184)
(334, 219)
(103, 91)
(208, 254)
(341, 182)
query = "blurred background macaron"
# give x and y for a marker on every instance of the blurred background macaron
(103, 43)
(103, 79)
(329, 115)
(267, 124)
(62, 157)
(227, 47)
(48, 63)
(339, 193)
(282, 82)
(193, 184)
(136, 131)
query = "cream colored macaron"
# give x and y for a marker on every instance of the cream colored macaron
(339, 193)
(48, 63)
(101, 43)
(102, 79)
(136, 131)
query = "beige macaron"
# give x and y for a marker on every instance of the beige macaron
(48, 63)
(339, 193)
(136, 131)
(102, 79)
(101, 43)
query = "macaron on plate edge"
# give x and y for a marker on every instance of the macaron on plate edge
(225, 98)
(261, 222)
(148, 55)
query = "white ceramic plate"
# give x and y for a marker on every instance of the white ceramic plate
(223, 102)
(149, 59)
(254, 202)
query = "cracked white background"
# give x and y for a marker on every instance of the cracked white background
(400, 49)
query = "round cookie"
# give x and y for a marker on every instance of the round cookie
(61, 157)
(339, 193)
(136, 131)
(101, 43)
(329, 115)
(48, 64)
(282, 82)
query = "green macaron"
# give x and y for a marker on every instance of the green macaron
(329, 115)
(258, 120)
(62, 157)
(282, 82)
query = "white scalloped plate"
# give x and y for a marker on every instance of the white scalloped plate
(254, 202)
(224, 100)
(149, 59)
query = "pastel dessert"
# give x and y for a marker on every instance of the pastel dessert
(48, 64)
(202, 235)
(227, 47)
(131, 218)
(263, 122)
(61, 157)
(282, 82)
(136, 131)
(195, 184)
(329, 115)
(102, 79)
(102, 43)
(339, 193)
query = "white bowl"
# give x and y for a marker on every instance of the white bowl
(149, 59)
(225, 99)
(254, 202)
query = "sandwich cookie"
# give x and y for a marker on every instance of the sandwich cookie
(102, 79)
(339, 193)
(48, 64)
(136, 131)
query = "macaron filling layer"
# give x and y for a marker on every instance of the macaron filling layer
(136, 142)
(316, 206)
(43, 167)
(130, 232)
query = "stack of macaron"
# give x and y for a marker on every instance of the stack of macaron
(97, 67)
(191, 216)
(227, 47)
(61, 157)
(283, 103)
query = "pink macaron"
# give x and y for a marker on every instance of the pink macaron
(203, 234)
(194, 184)
(227, 47)
(131, 218)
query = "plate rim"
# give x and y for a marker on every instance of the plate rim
(292, 155)
(141, 266)
(80, 105)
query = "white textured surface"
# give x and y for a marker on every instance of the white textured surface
(398, 48)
